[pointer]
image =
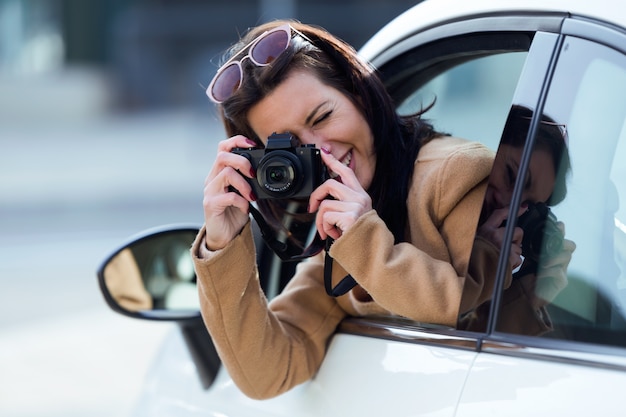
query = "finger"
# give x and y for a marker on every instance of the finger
(331, 224)
(497, 217)
(227, 181)
(523, 209)
(569, 246)
(237, 141)
(561, 259)
(225, 160)
(340, 213)
(345, 174)
(550, 283)
(215, 206)
(561, 226)
(515, 256)
(518, 236)
(334, 189)
(326, 219)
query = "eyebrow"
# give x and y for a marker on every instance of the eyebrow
(313, 113)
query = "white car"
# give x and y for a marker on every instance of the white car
(566, 58)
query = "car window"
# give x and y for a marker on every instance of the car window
(469, 80)
(588, 94)
(580, 299)
(472, 98)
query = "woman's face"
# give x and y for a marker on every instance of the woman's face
(539, 181)
(320, 115)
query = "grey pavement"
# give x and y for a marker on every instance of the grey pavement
(74, 184)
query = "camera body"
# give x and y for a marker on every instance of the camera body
(542, 236)
(284, 169)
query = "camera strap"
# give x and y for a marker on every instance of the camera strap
(346, 283)
(281, 249)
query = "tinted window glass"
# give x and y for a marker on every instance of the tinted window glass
(570, 230)
(477, 90)
(490, 234)
(588, 94)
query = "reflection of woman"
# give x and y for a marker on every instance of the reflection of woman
(403, 221)
(123, 280)
(525, 297)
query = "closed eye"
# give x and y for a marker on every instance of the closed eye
(510, 176)
(322, 117)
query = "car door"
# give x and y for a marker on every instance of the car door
(576, 366)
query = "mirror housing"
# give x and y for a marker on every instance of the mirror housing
(152, 276)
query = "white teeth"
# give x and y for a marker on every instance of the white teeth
(346, 161)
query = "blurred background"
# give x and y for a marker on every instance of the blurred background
(105, 131)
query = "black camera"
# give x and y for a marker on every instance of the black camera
(542, 236)
(284, 169)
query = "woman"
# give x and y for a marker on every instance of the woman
(539, 277)
(402, 206)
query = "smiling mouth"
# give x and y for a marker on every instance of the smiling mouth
(345, 161)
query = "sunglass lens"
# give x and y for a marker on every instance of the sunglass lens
(269, 47)
(227, 82)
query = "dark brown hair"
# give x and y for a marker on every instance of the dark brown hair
(551, 137)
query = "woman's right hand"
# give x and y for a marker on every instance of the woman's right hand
(226, 210)
(493, 230)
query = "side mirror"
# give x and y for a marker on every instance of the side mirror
(152, 276)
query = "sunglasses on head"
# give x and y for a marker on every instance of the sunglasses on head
(261, 51)
(560, 126)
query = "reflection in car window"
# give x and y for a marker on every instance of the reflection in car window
(477, 90)
(588, 94)
(584, 296)
(537, 233)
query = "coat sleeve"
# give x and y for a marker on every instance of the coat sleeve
(267, 348)
(423, 280)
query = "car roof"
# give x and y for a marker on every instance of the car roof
(431, 13)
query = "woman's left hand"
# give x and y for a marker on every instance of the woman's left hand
(348, 200)
(552, 273)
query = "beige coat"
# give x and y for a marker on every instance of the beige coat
(269, 348)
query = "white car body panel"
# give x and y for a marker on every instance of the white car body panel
(431, 13)
(418, 380)
(508, 386)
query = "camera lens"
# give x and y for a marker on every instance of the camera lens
(280, 173)
(277, 174)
